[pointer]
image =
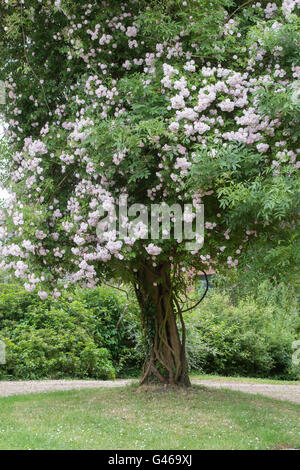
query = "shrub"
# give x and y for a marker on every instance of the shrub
(251, 338)
(49, 339)
(117, 326)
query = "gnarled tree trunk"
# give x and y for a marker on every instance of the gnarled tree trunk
(166, 358)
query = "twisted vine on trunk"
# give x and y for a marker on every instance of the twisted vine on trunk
(166, 358)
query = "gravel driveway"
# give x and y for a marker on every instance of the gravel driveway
(280, 392)
(37, 386)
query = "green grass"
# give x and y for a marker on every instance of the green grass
(124, 418)
(198, 375)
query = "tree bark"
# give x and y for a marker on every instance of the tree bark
(166, 357)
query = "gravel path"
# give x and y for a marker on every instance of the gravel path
(37, 386)
(280, 392)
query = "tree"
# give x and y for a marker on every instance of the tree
(180, 102)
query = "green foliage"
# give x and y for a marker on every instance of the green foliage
(265, 265)
(91, 333)
(242, 328)
(49, 339)
(117, 326)
(251, 337)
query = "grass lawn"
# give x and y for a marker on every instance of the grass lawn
(124, 418)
